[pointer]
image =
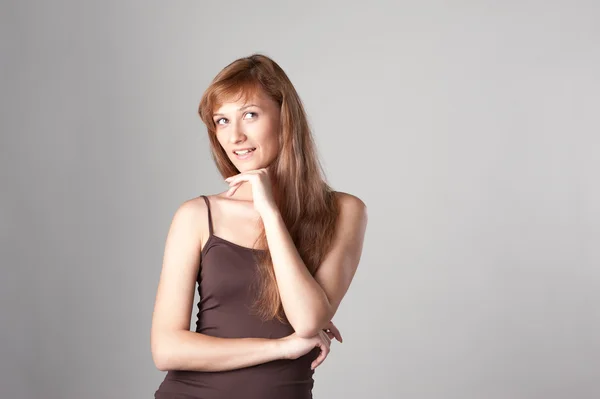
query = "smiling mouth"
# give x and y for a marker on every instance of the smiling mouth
(244, 152)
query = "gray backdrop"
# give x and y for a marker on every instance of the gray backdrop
(470, 130)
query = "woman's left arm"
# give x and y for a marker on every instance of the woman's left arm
(311, 302)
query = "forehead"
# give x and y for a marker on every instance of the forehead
(241, 100)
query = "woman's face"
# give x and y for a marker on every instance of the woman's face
(254, 125)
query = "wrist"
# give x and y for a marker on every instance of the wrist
(271, 215)
(279, 348)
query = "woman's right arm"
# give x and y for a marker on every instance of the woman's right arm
(173, 345)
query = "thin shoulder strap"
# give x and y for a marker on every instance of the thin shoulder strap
(210, 224)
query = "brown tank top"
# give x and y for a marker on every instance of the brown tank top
(226, 286)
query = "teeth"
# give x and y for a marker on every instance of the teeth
(243, 152)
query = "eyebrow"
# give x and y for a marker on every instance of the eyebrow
(242, 108)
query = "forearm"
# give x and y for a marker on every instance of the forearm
(188, 350)
(305, 303)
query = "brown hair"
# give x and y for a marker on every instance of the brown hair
(306, 202)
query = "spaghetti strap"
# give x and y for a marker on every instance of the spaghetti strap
(210, 224)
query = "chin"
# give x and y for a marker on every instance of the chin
(245, 167)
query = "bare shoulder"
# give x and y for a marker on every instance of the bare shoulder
(191, 211)
(192, 207)
(191, 219)
(352, 219)
(351, 205)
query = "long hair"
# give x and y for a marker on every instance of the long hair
(306, 202)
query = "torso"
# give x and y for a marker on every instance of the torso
(226, 289)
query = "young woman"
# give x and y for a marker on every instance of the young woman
(273, 255)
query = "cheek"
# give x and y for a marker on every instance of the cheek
(267, 137)
(272, 132)
(270, 143)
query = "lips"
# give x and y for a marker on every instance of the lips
(244, 149)
(245, 156)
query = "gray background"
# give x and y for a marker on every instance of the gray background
(470, 129)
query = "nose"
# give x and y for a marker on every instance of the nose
(236, 134)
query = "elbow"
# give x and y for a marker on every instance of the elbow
(165, 361)
(308, 330)
(161, 355)
(309, 327)
(161, 364)
(160, 367)
(160, 360)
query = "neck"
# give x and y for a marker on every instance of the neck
(244, 191)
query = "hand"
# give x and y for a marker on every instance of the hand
(333, 332)
(262, 191)
(294, 346)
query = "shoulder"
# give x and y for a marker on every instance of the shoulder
(192, 208)
(351, 205)
(191, 217)
(352, 218)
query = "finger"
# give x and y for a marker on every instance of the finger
(333, 334)
(236, 183)
(336, 332)
(231, 178)
(324, 346)
(244, 175)
(323, 335)
(236, 179)
(322, 355)
(232, 190)
(325, 338)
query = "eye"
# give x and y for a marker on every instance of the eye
(218, 120)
